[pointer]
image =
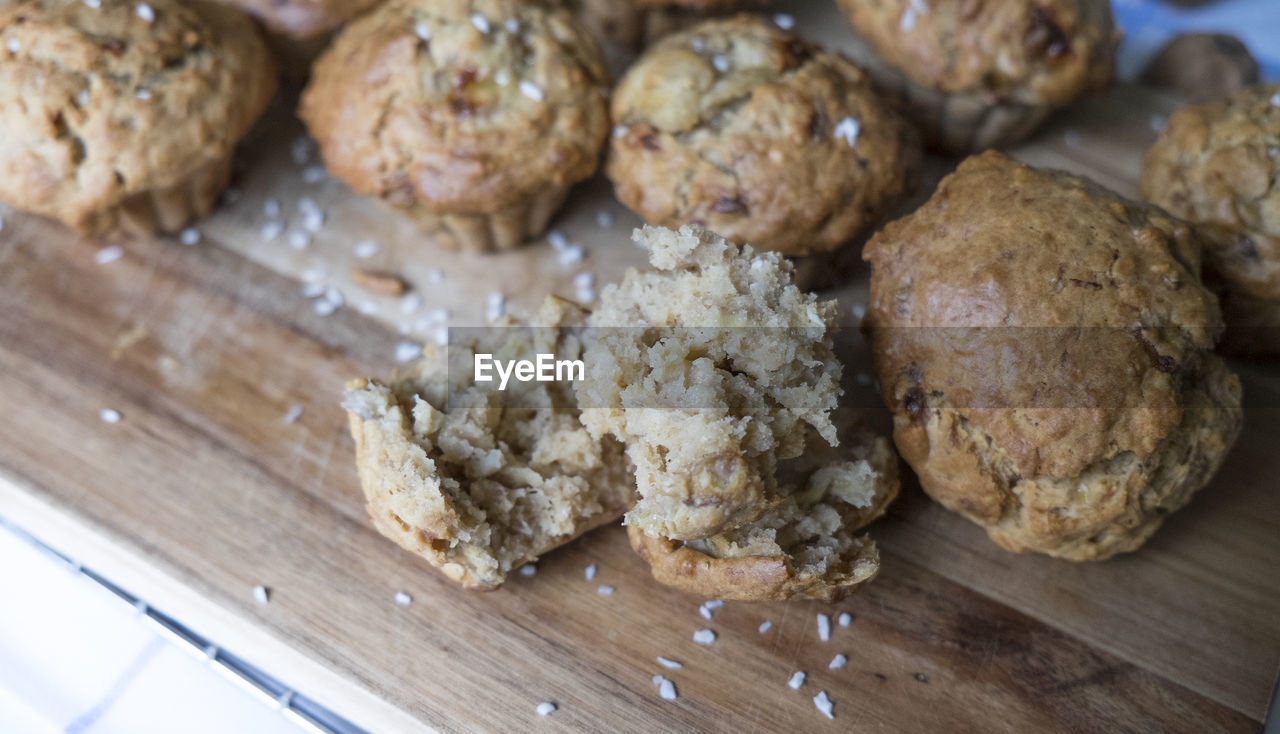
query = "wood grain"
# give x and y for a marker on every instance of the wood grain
(202, 492)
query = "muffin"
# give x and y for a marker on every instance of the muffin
(475, 116)
(479, 480)
(1217, 165)
(124, 117)
(626, 26)
(298, 30)
(746, 129)
(708, 368)
(1046, 348)
(979, 75)
(807, 548)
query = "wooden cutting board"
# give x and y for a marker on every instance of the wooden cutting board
(203, 491)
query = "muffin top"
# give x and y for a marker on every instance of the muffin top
(302, 19)
(1089, 313)
(746, 129)
(1218, 165)
(1029, 51)
(462, 107)
(101, 103)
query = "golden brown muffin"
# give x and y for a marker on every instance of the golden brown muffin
(1046, 349)
(478, 480)
(626, 26)
(977, 73)
(125, 116)
(478, 116)
(805, 549)
(708, 368)
(1218, 165)
(303, 19)
(743, 128)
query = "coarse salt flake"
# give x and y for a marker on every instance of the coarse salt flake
(605, 590)
(590, 572)
(531, 90)
(824, 704)
(824, 627)
(261, 594)
(797, 680)
(422, 30)
(13, 45)
(108, 254)
(189, 236)
(145, 12)
(480, 22)
(365, 248)
(845, 619)
(408, 351)
(403, 599)
(109, 415)
(704, 637)
(765, 627)
(784, 21)
(271, 230)
(528, 569)
(546, 708)
(837, 662)
(292, 414)
(666, 689)
(847, 130)
(720, 62)
(669, 663)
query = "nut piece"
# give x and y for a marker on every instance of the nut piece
(381, 282)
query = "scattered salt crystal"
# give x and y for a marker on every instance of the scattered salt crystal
(292, 414)
(300, 150)
(365, 248)
(706, 613)
(93, 3)
(145, 12)
(590, 572)
(604, 219)
(838, 662)
(407, 352)
(411, 303)
(502, 77)
(422, 30)
(619, 131)
(334, 296)
(704, 637)
(765, 627)
(908, 21)
(697, 44)
(496, 306)
(531, 90)
(435, 276)
(797, 680)
(270, 231)
(440, 336)
(403, 599)
(324, 307)
(313, 174)
(109, 415)
(669, 663)
(557, 240)
(189, 236)
(546, 708)
(571, 255)
(847, 130)
(720, 62)
(108, 254)
(480, 22)
(299, 239)
(82, 98)
(824, 627)
(859, 310)
(824, 704)
(528, 569)
(271, 208)
(368, 308)
(1275, 100)
(585, 279)
(784, 21)
(1158, 122)
(13, 45)
(512, 25)
(714, 604)
(666, 689)
(605, 590)
(143, 93)
(261, 594)
(845, 619)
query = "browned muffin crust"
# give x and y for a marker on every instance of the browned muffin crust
(744, 128)
(1030, 51)
(1218, 165)
(465, 121)
(1046, 349)
(110, 115)
(302, 19)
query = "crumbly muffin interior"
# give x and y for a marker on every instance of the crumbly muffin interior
(477, 480)
(709, 368)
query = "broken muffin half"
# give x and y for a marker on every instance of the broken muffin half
(479, 480)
